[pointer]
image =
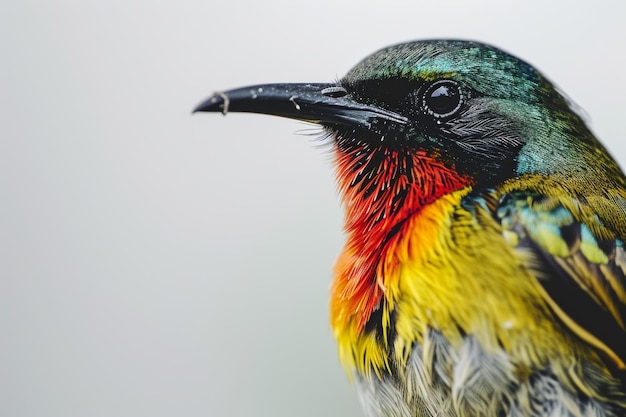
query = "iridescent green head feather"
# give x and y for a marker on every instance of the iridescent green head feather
(486, 69)
(511, 120)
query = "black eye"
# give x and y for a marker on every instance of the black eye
(442, 98)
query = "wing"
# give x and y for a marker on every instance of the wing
(577, 252)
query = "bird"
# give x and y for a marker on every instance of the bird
(484, 268)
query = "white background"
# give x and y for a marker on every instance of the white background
(155, 263)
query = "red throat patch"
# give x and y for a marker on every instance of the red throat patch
(379, 195)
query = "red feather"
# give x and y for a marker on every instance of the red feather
(376, 205)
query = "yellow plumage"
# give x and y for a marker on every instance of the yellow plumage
(451, 270)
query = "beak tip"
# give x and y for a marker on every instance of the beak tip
(215, 103)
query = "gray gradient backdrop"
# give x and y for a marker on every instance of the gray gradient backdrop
(155, 263)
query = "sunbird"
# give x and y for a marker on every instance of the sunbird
(483, 273)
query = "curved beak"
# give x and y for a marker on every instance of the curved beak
(325, 104)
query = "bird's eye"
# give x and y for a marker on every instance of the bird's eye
(442, 98)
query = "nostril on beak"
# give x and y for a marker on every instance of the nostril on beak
(334, 92)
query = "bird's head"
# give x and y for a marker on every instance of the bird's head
(433, 116)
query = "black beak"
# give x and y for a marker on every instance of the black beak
(325, 104)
